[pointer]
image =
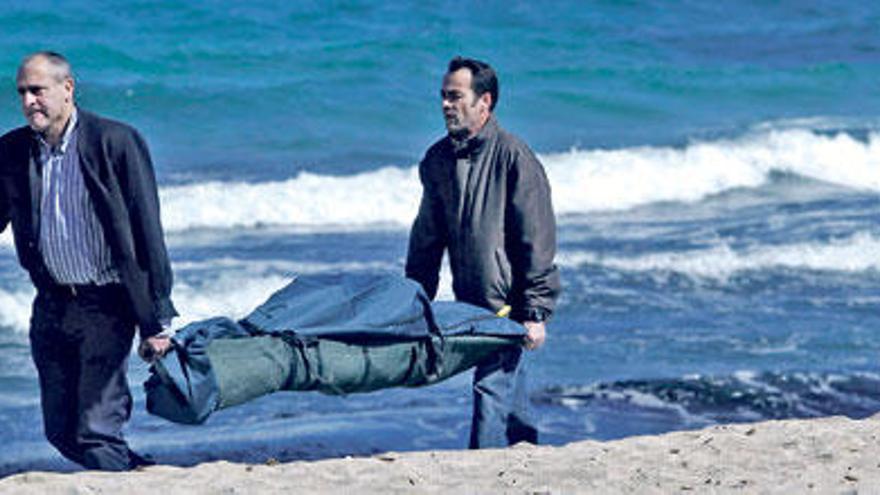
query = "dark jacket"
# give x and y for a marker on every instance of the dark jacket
(488, 202)
(119, 178)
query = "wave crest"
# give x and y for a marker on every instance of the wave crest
(856, 253)
(582, 181)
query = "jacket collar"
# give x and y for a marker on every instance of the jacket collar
(86, 121)
(87, 143)
(475, 143)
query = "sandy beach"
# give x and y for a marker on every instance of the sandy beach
(829, 455)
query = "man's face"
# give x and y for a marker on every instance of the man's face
(465, 114)
(46, 101)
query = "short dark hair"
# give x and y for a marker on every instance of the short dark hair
(483, 77)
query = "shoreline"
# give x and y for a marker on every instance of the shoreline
(825, 455)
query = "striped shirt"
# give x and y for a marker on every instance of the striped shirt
(71, 237)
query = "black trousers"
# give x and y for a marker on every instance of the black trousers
(80, 342)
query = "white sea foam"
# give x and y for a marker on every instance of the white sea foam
(233, 287)
(582, 181)
(388, 195)
(225, 286)
(227, 294)
(15, 308)
(856, 253)
(619, 179)
(284, 266)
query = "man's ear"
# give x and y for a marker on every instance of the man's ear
(69, 86)
(486, 99)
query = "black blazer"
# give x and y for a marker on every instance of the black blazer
(119, 178)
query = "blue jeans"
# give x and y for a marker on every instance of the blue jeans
(501, 402)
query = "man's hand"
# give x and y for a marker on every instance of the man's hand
(535, 334)
(152, 348)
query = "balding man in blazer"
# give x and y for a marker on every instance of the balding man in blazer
(80, 193)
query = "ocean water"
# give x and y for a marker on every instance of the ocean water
(715, 171)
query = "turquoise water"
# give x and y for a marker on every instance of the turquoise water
(715, 170)
(263, 89)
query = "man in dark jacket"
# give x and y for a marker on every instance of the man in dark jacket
(487, 200)
(80, 193)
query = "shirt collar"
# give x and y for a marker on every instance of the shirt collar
(65, 138)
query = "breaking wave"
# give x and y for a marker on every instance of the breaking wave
(582, 181)
(856, 253)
